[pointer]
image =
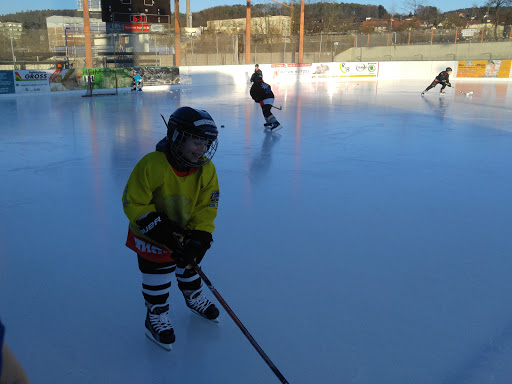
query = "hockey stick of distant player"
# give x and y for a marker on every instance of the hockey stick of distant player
(240, 325)
(280, 107)
(464, 93)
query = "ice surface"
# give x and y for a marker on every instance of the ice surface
(368, 241)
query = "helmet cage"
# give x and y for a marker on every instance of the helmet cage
(178, 141)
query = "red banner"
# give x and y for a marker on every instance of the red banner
(136, 27)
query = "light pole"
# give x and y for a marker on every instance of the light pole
(66, 40)
(335, 49)
(192, 45)
(12, 48)
(217, 44)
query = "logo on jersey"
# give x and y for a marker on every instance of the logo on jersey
(144, 247)
(125, 198)
(214, 199)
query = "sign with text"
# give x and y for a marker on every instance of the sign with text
(484, 69)
(6, 82)
(32, 81)
(136, 27)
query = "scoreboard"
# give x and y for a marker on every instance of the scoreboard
(136, 11)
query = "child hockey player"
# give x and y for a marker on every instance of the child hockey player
(443, 78)
(137, 81)
(171, 199)
(261, 93)
(257, 73)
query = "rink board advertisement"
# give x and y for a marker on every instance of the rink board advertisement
(6, 82)
(26, 81)
(479, 69)
(306, 72)
(104, 80)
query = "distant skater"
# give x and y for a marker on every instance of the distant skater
(257, 73)
(136, 81)
(261, 93)
(443, 78)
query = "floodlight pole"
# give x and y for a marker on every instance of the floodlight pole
(87, 33)
(247, 34)
(177, 33)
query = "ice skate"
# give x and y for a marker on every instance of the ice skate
(158, 327)
(199, 304)
(276, 126)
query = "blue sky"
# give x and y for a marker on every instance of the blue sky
(198, 5)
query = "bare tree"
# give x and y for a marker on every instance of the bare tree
(411, 6)
(496, 5)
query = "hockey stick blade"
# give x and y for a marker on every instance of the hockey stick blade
(280, 107)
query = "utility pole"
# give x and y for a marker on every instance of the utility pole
(247, 34)
(301, 32)
(177, 34)
(87, 33)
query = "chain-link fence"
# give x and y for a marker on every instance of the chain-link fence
(45, 48)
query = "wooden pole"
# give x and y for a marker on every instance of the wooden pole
(456, 33)
(482, 39)
(188, 23)
(247, 34)
(301, 32)
(431, 37)
(177, 33)
(387, 42)
(409, 41)
(87, 34)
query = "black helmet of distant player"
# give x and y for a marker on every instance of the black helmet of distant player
(448, 69)
(186, 125)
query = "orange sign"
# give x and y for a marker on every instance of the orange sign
(484, 69)
(475, 68)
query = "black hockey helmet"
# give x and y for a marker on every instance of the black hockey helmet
(448, 69)
(187, 123)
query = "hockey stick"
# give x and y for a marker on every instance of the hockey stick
(240, 325)
(464, 93)
(280, 107)
(165, 122)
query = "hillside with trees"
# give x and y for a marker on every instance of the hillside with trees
(321, 17)
(37, 19)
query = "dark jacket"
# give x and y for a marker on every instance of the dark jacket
(443, 77)
(261, 91)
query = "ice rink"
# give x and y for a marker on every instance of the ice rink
(368, 241)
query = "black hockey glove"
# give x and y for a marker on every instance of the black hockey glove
(159, 228)
(195, 245)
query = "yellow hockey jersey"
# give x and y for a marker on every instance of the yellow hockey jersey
(188, 198)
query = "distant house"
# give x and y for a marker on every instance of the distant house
(379, 25)
(11, 29)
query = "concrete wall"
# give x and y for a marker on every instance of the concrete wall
(466, 51)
